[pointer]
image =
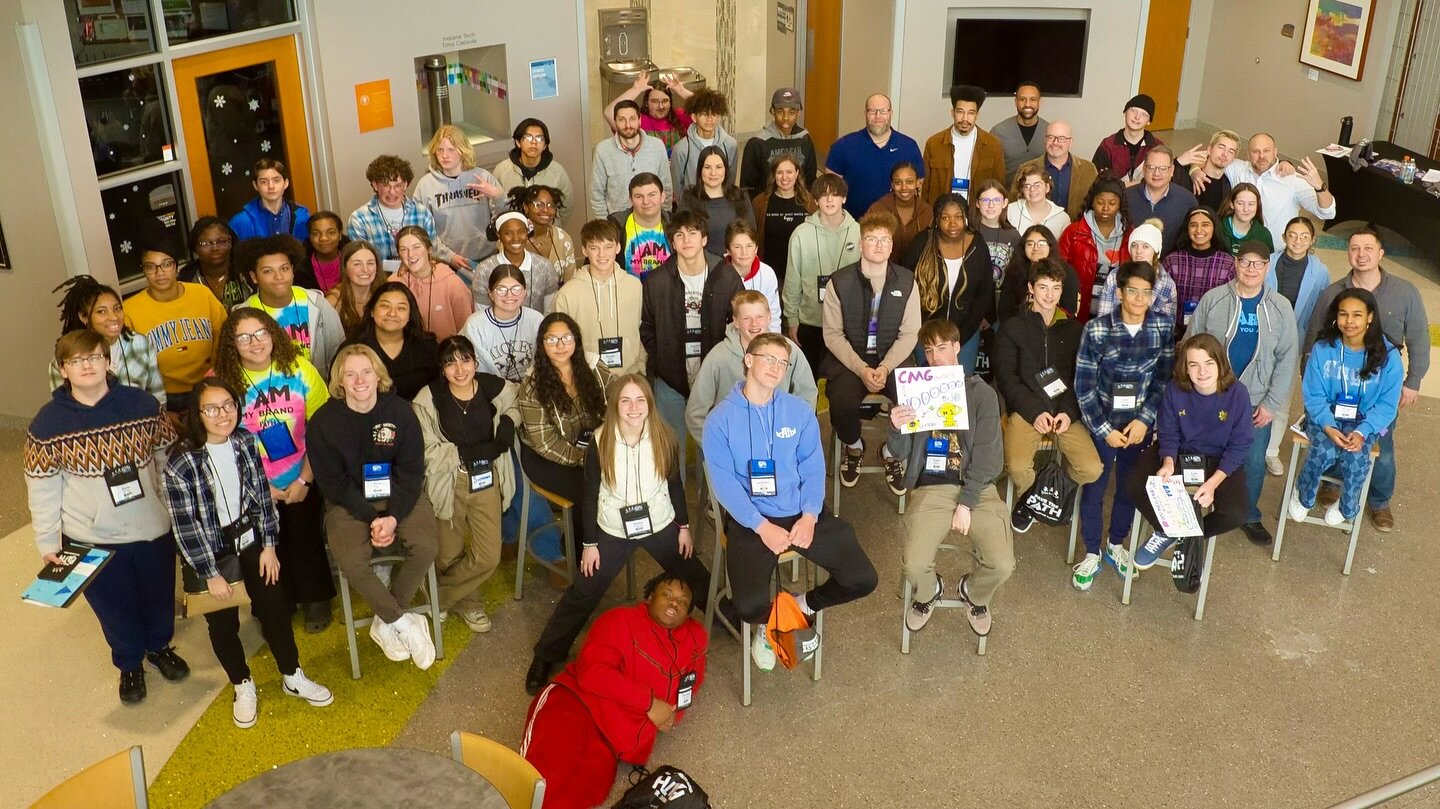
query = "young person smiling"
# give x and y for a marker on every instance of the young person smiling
(304, 314)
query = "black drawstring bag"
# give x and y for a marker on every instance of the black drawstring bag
(666, 787)
(1051, 498)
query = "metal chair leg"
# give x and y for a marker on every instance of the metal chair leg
(347, 609)
(1205, 578)
(1289, 493)
(435, 614)
(522, 535)
(1134, 546)
(1074, 525)
(745, 630)
(904, 612)
(1359, 518)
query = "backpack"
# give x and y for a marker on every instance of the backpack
(789, 632)
(1051, 498)
(1188, 564)
(667, 787)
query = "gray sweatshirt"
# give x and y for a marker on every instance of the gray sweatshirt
(1402, 318)
(724, 366)
(613, 167)
(685, 158)
(983, 454)
(1271, 371)
(461, 213)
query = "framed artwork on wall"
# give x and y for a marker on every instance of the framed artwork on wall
(1337, 34)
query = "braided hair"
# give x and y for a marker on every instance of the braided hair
(81, 294)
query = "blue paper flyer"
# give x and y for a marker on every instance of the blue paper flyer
(53, 591)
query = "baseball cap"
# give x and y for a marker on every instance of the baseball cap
(786, 98)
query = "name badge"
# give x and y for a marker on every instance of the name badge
(636, 520)
(482, 476)
(1050, 382)
(821, 282)
(1125, 396)
(961, 186)
(124, 484)
(377, 481)
(277, 441)
(687, 691)
(937, 452)
(240, 534)
(762, 477)
(1190, 307)
(692, 343)
(1192, 469)
(1347, 407)
(610, 351)
(583, 441)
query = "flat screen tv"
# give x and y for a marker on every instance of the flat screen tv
(997, 54)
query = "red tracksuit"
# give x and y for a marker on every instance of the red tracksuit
(594, 714)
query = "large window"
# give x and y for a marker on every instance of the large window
(126, 118)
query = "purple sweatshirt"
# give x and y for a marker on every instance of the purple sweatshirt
(1215, 425)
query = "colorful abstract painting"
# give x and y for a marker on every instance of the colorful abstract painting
(1336, 33)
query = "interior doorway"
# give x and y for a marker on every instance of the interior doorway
(822, 73)
(1165, 34)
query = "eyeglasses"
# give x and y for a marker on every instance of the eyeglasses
(208, 243)
(1032, 186)
(513, 289)
(1058, 138)
(395, 185)
(1136, 292)
(533, 138)
(214, 411)
(540, 206)
(560, 340)
(878, 240)
(88, 359)
(150, 267)
(1030, 243)
(1157, 169)
(992, 200)
(771, 360)
(875, 111)
(245, 339)
(1251, 263)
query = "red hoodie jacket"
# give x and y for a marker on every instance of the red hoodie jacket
(1077, 246)
(628, 659)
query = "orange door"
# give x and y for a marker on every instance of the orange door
(237, 106)
(1165, 36)
(822, 74)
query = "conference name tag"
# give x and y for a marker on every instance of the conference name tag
(1347, 407)
(124, 484)
(377, 481)
(762, 477)
(636, 520)
(1125, 396)
(482, 476)
(692, 343)
(1192, 469)
(687, 691)
(610, 351)
(1050, 382)
(937, 452)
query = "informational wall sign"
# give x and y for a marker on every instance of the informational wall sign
(373, 109)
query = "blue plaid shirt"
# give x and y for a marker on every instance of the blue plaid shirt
(191, 498)
(1109, 355)
(1163, 302)
(367, 223)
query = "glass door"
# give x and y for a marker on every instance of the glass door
(237, 106)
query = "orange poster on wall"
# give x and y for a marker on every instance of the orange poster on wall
(372, 105)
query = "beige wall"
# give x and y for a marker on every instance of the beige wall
(1110, 71)
(1253, 79)
(1192, 72)
(866, 32)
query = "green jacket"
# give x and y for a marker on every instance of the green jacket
(815, 253)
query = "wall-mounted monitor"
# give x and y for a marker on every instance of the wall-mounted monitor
(997, 48)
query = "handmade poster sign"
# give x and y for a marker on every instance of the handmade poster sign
(1173, 507)
(938, 396)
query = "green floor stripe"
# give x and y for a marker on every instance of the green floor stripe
(215, 755)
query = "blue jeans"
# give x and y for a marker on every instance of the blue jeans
(546, 543)
(1092, 497)
(671, 406)
(1255, 469)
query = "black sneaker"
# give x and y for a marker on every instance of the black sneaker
(850, 466)
(1257, 533)
(1021, 518)
(132, 686)
(537, 677)
(172, 667)
(895, 476)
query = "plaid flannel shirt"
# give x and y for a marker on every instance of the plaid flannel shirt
(367, 223)
(1108, 354)
(1163, 302)
(1196, 274)
(190, 496)
(550, 433)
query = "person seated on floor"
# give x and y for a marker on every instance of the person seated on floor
(766, 466)
(1034, 372)
(220, 505)
(634, 497)
(110, 499)
(369, 459)
(950, 475)
(871, 316)
(725, 364)
(1203, 434)
(1352, 391)
(638, 671)
(1124, 361)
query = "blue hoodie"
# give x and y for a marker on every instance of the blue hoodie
(784, 430)
(1333, 368)
(254, 222)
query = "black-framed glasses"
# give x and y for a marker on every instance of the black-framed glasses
(560, 339)
(208, 243)
(150, 267)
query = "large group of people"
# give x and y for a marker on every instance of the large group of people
(375, 388)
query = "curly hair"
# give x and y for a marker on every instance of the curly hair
(284, 354)
(550, 390)
(706, 100)
(1107, 181)
(414, 327)
(927, 269)
(693, 199)
(522, 195)
(250, 251)
(389, 167)
(81, 294)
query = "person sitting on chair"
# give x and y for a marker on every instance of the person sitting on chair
(639, 670)
(950, 475)
(1203, 433)
(766, 466)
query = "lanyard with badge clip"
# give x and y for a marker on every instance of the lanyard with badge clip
(479, 470)
(635, 517)
(1347, 405)
(762, 470)
(610, 347)
(692, 335)
(238, 532)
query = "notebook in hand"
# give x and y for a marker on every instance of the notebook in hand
(58, 585)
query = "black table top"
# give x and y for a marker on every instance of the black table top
(366, 778)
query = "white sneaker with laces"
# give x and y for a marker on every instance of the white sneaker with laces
(1298, 511)
(1083, 574)
(760, 649)
(477, 620)
(245, 708)
(388, 639)
(415, 634)
(1274, 465)
(1333, 515)
(298, 685)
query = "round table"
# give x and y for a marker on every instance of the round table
(382, 778)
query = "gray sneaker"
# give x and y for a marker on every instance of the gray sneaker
(920, 611)
(476, 619)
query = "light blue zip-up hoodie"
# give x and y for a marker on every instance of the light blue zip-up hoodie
(784, 430)
(1334, 369)
(1312, 283)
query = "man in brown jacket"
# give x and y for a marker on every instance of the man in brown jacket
(964, 155)
(1070, 176)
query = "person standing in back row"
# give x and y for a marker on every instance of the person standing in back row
(1123, 153)
(782, 137)
(620, 158)
(827, 240)
(961, 156)
(865, 157)
(1023, 136)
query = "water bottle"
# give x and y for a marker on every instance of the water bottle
(1347, 125)
(1362, 149)
(1407, 170)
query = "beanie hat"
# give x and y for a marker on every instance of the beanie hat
(1147, 233)
(1144, 102)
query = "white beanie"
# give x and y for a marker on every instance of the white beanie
(1146, 233)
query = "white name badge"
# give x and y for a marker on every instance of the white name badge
(937, 452)
(1125, 396)
(124, 484)
(610, 352)
(377, 481)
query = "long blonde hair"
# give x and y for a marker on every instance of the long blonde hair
(927, 268)
(662, 441)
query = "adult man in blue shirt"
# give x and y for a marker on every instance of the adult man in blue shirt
(866, 156)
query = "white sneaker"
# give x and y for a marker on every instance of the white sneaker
(477, 620)
(415, 634)
(388, 639)
(1333, 516)
(1083, 574)
(1298, 511)
(1274, 466)
(298, 685)
(760, 649)
(244, 709)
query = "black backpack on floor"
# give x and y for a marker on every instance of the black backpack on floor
(666, 787)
